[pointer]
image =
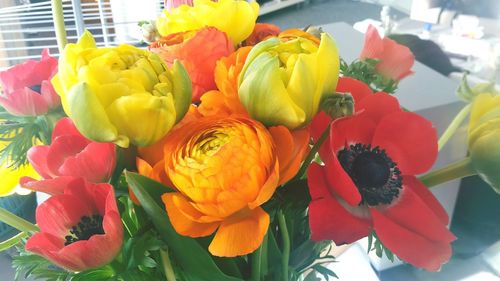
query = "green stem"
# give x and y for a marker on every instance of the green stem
(256, 263)
(454, 125)
(286, 245)
(17, 222)
(4, 245)
(167, 265)
(460, 169)
(311, 155)
(57, 13)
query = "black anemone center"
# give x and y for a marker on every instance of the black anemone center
(376, 176)
(86, 228)
(36, 88)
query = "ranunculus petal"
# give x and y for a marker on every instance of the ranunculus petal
(291, 148)
(185, 218)
(409, 140)
(267, 190)
(330, 221)
(240, 234)
(408, 245)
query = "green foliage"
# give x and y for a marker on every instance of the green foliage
(30, 265)
(21, 133)
(364, 70)
(374, 244)
(195, 262)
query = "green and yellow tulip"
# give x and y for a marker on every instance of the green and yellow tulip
(121, 94)
(284, 79)
(484, 136)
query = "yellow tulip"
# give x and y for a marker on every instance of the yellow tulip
(484, 136)
(10, 177)
(235, 17)
(121, 94)
(284, 79)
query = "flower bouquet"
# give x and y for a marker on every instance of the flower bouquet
(228, 150)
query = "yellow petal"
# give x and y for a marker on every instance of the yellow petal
(89, 116)
(142, 118)
(265, 97)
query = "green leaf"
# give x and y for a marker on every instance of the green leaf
(4, 245)
(196, 261)
(104, 273)
(327, 273)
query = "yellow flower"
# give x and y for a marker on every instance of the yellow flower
(121, 94)
(10, 177)
(284, 80)
(484, 136)
(235, 17)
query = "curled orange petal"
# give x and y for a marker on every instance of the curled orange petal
(240, 234)
(291, 148)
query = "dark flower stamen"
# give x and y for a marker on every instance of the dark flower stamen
(86, 228)
(36, 88)
(376, 176)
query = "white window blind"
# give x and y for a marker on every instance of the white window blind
(27, 28)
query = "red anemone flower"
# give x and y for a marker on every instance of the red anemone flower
(80, 229)
(27, 90)
(69, 156)
(368, 183)
(396, 60)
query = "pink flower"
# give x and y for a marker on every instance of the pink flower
(27, 90)
(172, 4)
(80, 229)
(69, 156)
(395, 60)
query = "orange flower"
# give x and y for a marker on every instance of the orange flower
(291, 34)
(261, 32)
(198, 51)
(224, 167)
(226, 99)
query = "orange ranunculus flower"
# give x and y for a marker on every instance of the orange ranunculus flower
(224, 167)
(198, 51)
(294, 33)
(261, 32)
(226, 99)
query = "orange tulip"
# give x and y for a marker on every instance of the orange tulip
(198, 51)
(261, 32)
(223, 167)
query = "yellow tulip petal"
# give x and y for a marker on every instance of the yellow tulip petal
(142, 118)
(265, 97)
(90, 117)
(10, 177)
